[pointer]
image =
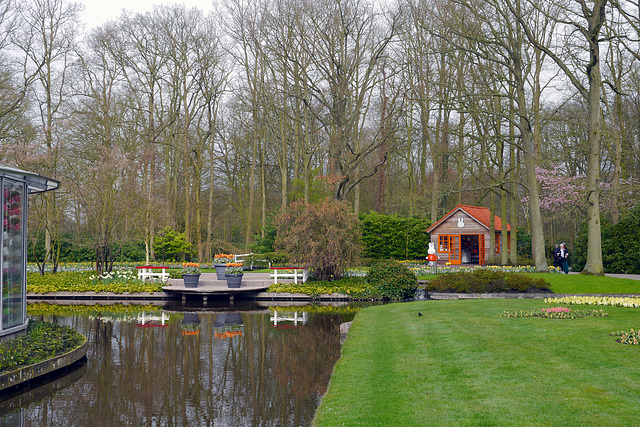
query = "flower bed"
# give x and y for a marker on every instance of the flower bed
(42, 341)
(422, 269)
(87, 282)
(632, 337)
(555, 313)
(610, 301)
(487, 281)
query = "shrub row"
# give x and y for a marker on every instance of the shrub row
(482, 280)
(388, 280)
(80, 281)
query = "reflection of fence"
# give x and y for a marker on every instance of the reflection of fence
(296, 318)
(150, 320)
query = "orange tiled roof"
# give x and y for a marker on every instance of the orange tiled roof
(479, 214)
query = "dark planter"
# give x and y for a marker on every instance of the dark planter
(220, 269)
(190, 319)
(191, 280)
(234, 280)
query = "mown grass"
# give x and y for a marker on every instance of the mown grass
(584, 284)
(461, 364)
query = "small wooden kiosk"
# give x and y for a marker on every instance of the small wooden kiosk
(462, 236)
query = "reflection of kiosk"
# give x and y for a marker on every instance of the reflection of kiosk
(296, 318)
(15, 185)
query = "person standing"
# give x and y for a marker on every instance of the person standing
(564, 258)
(556, 256)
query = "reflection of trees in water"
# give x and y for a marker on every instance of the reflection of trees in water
(265, 376)
(302, 353)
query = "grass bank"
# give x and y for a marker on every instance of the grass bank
(460, 363)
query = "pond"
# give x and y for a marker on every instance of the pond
(154, 365)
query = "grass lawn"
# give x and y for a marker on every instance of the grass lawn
(583, 284)
(461, 364)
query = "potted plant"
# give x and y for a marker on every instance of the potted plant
(220, 262)
(233, 274)
(190, 324)
(190, 274)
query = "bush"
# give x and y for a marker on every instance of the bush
(620, 245)
(393, 237)
(483, 281)
(171, 245)
(392, 280)
(324, 237)
(277, 258)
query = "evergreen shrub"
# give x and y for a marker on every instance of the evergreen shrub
(620, 246)
(487, 281)
(394, 237)
(392, 280)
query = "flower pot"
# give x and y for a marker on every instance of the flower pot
(234, 280)
(190, 319)
(220, 269)
(191, 280)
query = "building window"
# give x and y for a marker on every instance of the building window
(443, 244)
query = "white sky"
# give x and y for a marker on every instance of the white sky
(97, 12)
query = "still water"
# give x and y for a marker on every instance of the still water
(162, 366)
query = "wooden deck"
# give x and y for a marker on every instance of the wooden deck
(210, 286)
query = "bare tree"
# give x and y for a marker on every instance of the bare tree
(47, 37)
(588, 19)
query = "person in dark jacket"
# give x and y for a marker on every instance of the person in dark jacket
(564, 258)
(556, 256)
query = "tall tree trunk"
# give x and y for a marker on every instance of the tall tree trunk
(594, 248)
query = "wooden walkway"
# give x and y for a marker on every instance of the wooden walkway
(210, 286)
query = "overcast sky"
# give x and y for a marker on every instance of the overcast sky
(97, 12)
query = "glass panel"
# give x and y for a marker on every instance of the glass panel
(12, 254)
(454, 249)
(444, 243)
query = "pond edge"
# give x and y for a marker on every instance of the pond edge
(30, 372)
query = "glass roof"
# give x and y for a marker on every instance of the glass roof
(35, 183)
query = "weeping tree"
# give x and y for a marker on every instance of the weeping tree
(325, 237)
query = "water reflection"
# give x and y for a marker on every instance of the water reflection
(196, 368)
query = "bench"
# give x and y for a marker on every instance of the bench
(152, 271)
(303, 318)
(285, 273)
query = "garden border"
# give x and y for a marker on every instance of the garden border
(30, 372)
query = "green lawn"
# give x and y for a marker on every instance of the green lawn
(583, 284)
(461, 364)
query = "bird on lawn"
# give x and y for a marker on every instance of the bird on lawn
(419, 314)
